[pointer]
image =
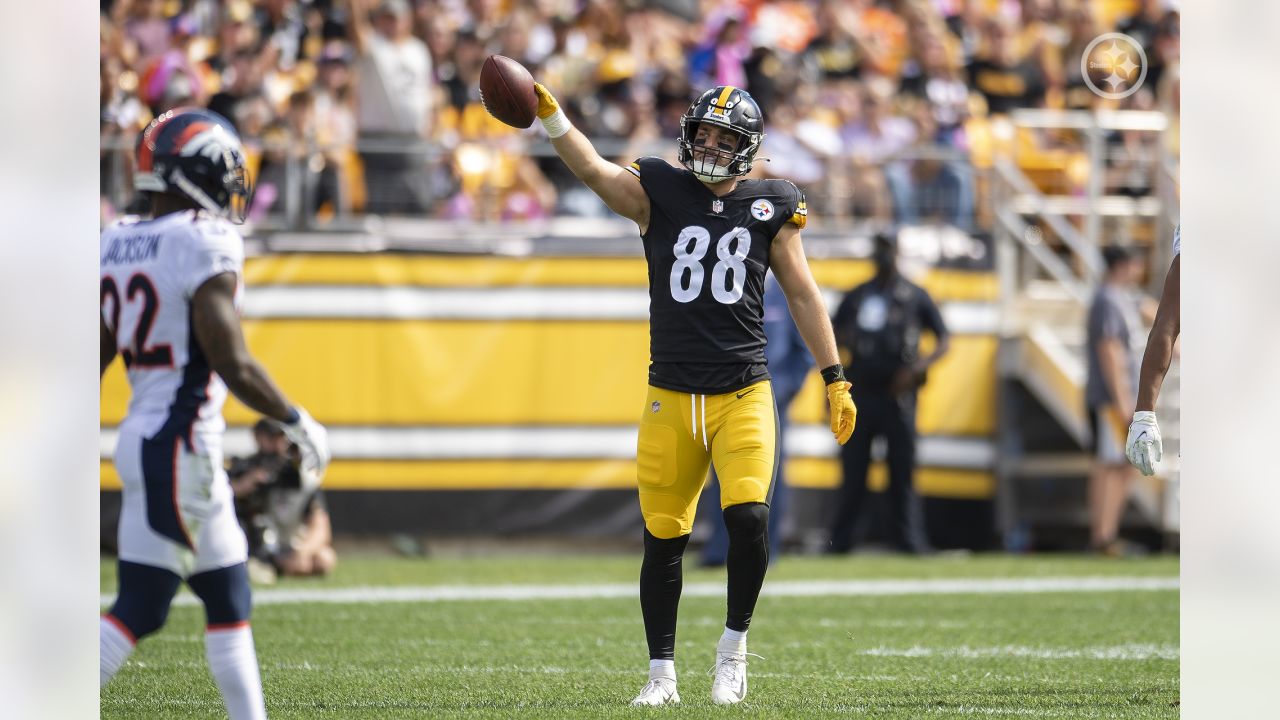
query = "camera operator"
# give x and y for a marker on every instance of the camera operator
(288, 528)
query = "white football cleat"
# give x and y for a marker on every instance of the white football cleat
(658, 691)
(730, 684)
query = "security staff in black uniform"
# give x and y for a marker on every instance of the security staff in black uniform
(709, 236)
(878, 324)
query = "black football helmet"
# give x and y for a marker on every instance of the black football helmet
(727, 107)
(195, 153)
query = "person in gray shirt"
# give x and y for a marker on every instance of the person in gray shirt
(1109, 393)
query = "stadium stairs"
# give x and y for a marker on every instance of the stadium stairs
(1043, 463)
(1043, 433)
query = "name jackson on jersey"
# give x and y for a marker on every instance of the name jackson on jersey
(150, 270)
(707, 259)
(131, 249)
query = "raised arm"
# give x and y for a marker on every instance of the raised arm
(358, 29)
(616, 186)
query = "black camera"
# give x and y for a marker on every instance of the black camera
(282, 472)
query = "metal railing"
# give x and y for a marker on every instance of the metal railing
(1094, 127)
(1023, 213)
(426, 179)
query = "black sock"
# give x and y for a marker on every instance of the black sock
(661, 579)
(748, 526)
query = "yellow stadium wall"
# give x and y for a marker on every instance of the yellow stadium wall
(475, 373)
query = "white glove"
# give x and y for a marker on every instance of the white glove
(1143, 448)
(313, 443)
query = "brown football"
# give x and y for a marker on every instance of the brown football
(506, 89)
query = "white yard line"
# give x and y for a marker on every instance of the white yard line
(1131, 651)
(784, 588)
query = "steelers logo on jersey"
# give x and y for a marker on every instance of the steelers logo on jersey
(762, 209)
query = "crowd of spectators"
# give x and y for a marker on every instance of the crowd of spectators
(878, 108)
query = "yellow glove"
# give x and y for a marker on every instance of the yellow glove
(843, 412)
(553, 118)
(547, 105)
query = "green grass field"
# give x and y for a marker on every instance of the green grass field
(1074, 653)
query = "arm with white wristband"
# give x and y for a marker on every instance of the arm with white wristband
(553, 118)
(617, 187)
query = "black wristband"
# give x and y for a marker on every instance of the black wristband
(294, 416)
(835, 373)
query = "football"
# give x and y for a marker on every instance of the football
(506, 89)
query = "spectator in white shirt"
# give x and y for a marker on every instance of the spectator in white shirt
(393, 106)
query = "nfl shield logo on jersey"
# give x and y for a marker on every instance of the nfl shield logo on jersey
(717, 206)
(762, 209)
(656, 406)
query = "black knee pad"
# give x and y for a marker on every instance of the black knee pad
(145, 594)
(749, 521)
(657, 548)
(225, 594)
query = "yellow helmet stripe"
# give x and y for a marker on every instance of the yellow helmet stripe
(724, 95)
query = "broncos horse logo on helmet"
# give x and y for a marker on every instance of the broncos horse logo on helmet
(195, 153)
(730, 108)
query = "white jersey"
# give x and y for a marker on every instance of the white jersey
(150, 270)
(1177, 241)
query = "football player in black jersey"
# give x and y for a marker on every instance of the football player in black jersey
(709, 236)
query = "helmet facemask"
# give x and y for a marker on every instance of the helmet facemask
(240, 191)
(716, 164)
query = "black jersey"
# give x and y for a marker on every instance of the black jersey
(707, 259)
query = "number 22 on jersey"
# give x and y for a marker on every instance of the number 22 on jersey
(137, 352)
(687, 272)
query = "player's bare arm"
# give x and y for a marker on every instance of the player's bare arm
(791, 268)
(804, 298)
(618, 188)
(106, 347)
(1164, 333)
(217, 328)
(1144, 446)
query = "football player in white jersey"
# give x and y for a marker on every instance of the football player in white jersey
(1144, 448)
(170, 294)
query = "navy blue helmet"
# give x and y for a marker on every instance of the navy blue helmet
(195, 153)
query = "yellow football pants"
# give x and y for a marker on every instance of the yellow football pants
(682, 433)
